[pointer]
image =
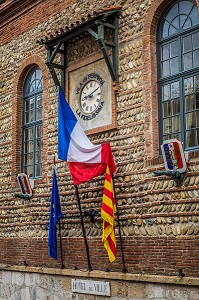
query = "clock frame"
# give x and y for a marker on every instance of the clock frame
(92, 80)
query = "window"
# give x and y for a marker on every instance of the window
(178, 74)
(32, 124)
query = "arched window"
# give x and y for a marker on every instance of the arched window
(178, 73)
(32, 124)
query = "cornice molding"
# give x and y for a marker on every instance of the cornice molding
(12, 9)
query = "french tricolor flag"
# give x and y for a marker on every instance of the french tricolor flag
(85, 160)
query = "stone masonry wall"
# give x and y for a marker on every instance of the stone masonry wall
(160, 222)
(36, 286)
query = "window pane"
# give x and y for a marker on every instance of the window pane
(38, 156)
(175, 106)
(175, 89)
(28, 159)
(165, 52)
(175, 23)
(196, 78)
(29, 110)
(195, 40)
(188, 85)
(166, 109)
(38, 170)
(189, 103)
(182, 20)
(190, 123)
(194, 16)
(38, 132)
(176, 136)
(197, 119)
(28, 134)
(187, 24)
(197, 101)
(165, 68)
(174, 65)
(187, 44)
(38, 74)
(172, 13)
(167, 137)
(174, 48)
(38, 107)
(172, 30)
(28, 147)
(175, 123)
(190, 138)
(166, 92)
(196, 58)
(28, 170)
(187, 58)
(165, 31)
(185, 7)
(166, 126)
(197, 137)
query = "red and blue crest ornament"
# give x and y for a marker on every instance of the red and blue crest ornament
(24, 184)
(173, 155)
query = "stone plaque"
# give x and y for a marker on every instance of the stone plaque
(101, 288)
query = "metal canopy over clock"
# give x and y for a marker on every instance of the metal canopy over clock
(95, 26)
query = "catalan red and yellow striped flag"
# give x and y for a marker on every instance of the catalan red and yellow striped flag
(107, 214)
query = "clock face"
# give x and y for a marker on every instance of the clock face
(90, 97)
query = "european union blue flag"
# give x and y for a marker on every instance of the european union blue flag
(55, 215)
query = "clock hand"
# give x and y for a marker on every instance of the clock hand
(91, 94)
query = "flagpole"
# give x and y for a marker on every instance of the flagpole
(60, 235)
(60, 240)
(83, 229)
(119, 227)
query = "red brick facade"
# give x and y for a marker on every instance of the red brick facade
(160, 222)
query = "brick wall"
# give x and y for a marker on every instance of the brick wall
(159, 221)
(142, 255)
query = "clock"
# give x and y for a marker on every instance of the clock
(90, 97)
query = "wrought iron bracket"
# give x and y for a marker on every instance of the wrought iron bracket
(96, 28)
(52, 53)
(21, 196)
(92, 214)
(174, 174)
(103, 43)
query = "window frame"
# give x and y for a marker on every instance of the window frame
(181, 75)
(32, 124)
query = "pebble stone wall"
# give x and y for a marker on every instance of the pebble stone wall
(159, 221)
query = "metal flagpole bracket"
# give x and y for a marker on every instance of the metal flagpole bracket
(92, 213)
(174, 174)
(174, 161)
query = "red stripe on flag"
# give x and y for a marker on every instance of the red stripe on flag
(112, 246)
(108, 177)
(108, 193)
(107, 209)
